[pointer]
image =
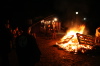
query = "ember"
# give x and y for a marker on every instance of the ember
(75, 40)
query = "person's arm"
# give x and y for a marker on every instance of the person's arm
(35, 47)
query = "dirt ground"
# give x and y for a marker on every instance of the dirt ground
(52, 56)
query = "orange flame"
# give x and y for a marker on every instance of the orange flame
(74, 30)
(73, 44)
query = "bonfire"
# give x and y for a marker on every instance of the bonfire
(76, 40)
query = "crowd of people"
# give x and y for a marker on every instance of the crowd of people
(49, 32)
(22, 41)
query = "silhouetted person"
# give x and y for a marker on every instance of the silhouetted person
(26, 48)
(5, 41)
(48, 32)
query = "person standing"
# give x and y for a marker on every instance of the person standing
(5, 41)
(54, 31)
(27, 49)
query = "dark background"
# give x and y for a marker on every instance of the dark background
(17, 11)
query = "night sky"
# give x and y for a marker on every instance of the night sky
(28, 8)
(33, 8)
(17, 10)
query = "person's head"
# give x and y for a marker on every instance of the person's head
(3, 24)
(7, 25)
(16, 29)
(26, 29)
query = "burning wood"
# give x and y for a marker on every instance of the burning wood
(82, 42)
(85, 39)
(75, 40)
(67, 39)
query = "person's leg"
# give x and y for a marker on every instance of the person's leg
(31, 61)
(21, 59)
(5, 60)
(55, 35)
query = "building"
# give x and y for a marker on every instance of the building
(52, 22)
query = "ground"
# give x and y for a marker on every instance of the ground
(52, 56)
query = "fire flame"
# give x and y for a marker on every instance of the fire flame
(74, 30)
(70, 43)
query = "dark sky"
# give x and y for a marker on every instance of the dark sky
(18, 9)
(26, 8)
(41, 7)
(94, 16)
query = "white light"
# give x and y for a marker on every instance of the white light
(55, 19)
(76, 12)
(84, 18)
(42, 21)
(52, 20)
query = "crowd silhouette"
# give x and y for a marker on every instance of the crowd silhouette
(21, 40)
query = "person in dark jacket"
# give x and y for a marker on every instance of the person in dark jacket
(27, 49)
(5, 44)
